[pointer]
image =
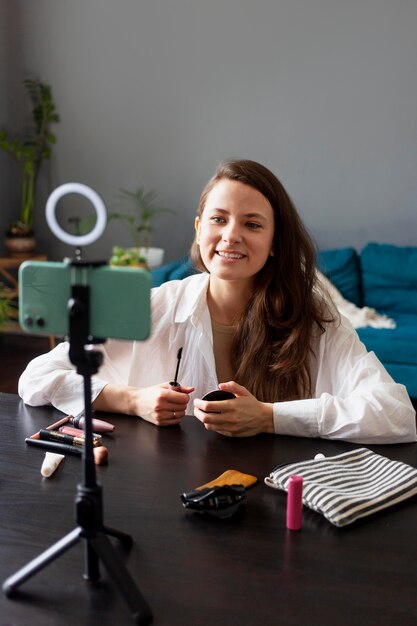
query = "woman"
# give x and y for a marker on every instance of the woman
(255, 315)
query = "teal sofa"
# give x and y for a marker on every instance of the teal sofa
(381, 276)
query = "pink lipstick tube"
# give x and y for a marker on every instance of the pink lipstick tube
(295, 503)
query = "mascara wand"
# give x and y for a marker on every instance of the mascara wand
(175, 382)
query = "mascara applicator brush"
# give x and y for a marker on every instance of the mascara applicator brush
(175, 383)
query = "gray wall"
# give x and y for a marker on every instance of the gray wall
(156, 92)
(9, 68)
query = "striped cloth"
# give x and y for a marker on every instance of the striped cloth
(348, 486)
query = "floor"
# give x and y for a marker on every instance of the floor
(17, 350)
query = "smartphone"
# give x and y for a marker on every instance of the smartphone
(119, 299)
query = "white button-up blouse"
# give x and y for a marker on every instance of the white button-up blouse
(354, 397)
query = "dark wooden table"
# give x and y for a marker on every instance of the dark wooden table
(196, 571)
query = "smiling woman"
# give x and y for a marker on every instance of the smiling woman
(268, 297)
(254, 323)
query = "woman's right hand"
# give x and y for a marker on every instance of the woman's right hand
(159, 404)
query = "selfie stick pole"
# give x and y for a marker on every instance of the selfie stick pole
(89, 501)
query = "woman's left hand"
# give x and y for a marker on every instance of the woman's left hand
(242, 416)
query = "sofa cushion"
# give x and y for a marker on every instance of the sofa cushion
(185, 269)
(341, 266)
(389, 278)
(176, 270)
(393, 345)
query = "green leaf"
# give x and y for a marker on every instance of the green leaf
(142, 208)
(34, 145)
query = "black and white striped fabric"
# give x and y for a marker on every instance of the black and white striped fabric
(350, 485)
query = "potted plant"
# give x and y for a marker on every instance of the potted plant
(142, 211)
(29, 151)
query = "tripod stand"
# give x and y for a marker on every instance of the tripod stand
(89, 502)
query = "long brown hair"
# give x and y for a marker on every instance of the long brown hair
(272, 343)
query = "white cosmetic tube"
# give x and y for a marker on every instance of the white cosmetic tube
(50, 463)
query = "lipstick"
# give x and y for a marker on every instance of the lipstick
(53, 435)
(295, 502)
(99, 426)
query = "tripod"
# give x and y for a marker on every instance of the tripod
(88, 502)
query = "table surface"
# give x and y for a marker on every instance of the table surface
(192, 570)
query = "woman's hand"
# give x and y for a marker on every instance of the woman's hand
(240, 417)
(159, 404)
(163, 405)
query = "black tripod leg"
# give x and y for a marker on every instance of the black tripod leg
(125, 539)
(118, 572)
(41, 561)
(92, 570)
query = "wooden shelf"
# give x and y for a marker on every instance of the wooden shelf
(9, 267)
(9, 279)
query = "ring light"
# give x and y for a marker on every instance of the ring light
(96, 201)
